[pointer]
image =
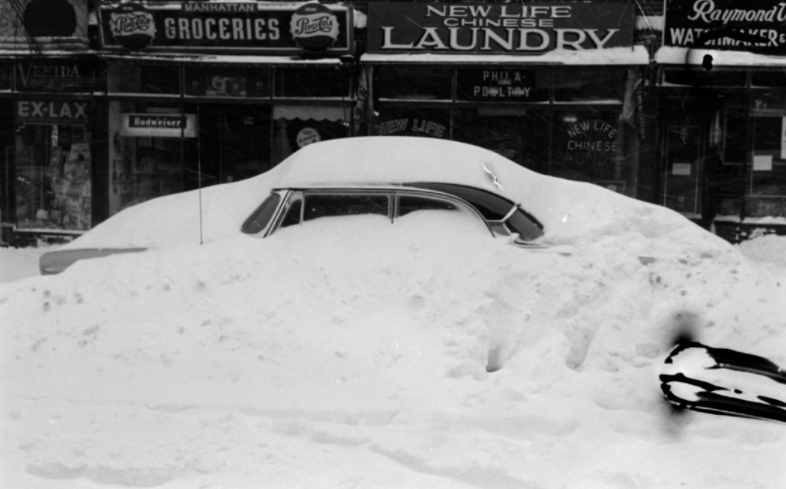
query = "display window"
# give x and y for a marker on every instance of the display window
(52, 185)
(304, 82)
(413, 82)
(158, 150)
(579, 124)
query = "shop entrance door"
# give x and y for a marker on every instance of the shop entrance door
(234, 142)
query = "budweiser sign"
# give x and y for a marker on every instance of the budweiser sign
(314, 27)
(132, 25)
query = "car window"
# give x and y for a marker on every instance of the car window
(412, 203)
(259, 219)
(293, 213)
(414, 207)
(520, 223)
(492, 207)
(330, 205)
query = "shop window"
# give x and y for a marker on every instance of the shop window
(772, 79)
(411, 121)
(584, 84)
(6, 76)
(218, 144)
(150, 79)
(214, 82)
(593, 145)
(311, 82)
(681, 180)
(413, 82)
(699, 77)
(52, 184)
(768, 177)
(518, 134)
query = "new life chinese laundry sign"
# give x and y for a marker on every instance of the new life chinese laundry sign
(510, 28)
(227, 26)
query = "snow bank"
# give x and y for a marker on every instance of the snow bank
(406, 355)
(395, 358)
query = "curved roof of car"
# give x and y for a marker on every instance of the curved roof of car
(392, 160)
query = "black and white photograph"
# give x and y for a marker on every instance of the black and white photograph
(392, 244)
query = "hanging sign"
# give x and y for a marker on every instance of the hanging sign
(499, 85)
(158, 125)
(757, 27)
(314, 27)
(507, 28)
(62, 112)
(243, 27)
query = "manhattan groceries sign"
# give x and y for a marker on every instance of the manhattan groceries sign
(242, 27)
(510, 28)
(686, 20)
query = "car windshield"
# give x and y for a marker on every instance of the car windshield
(258, 221)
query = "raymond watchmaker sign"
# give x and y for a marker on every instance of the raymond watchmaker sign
(242, 27)
(737, 25)
(505, 28)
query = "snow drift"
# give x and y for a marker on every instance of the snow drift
(406, 355)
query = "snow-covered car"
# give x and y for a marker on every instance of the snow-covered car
(370, 179)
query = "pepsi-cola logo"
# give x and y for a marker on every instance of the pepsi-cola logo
(132, 26)
(314, 27)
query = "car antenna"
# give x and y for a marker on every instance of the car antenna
(183, 123)
(493, 177)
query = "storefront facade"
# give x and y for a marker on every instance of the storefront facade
(218, 92)
(722, 87)
(555, 86)
(48, 79)
(180, 95)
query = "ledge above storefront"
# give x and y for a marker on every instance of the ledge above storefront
(620, 56)
(684, 56)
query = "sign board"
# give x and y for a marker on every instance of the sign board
(158, 125)
(61, 76)
(687, 22)
(499, 85)
(500, 28)
(63, 112)
(242, 27)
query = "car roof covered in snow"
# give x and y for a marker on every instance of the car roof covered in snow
(379, 160)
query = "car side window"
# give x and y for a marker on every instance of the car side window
(412, 203)
(259, 219)
(494, 209)
(331, 205)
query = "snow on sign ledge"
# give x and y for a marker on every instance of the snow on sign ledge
(611, 56)
(694, 57)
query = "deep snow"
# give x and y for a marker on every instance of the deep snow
(324, 357)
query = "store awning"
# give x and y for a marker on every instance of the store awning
(637, 55)
(224, 59)
(695, 57)
(306, 112)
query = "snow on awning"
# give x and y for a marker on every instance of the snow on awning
(695, 57)
(226, 59)
(607, 57)
(306, 112)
